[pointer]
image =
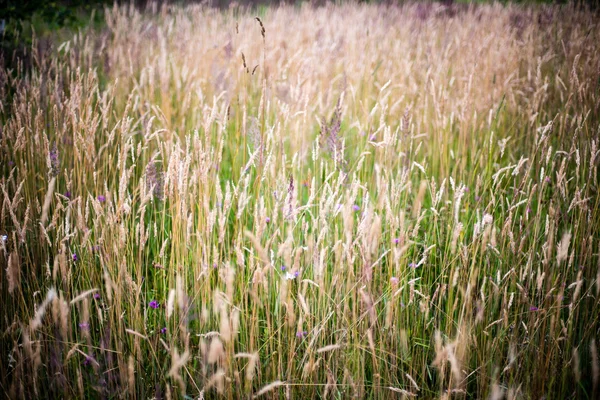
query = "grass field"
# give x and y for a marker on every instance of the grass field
(351, 201)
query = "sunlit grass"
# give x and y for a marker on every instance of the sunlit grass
(357, 201)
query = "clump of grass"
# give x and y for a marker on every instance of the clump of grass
(173, 225)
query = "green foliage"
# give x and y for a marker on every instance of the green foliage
(22, 20)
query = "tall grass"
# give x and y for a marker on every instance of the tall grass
(344, 201)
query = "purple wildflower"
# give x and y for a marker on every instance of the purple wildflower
(75, 258)
(87, 361)
(291, 276)
(97, 296)
(533, 308)
(396, 240)
(163, 330)
(547, 179)
(528, 210)
(101, 198)
(11, 163)
(153, 304)
(301, 334)
(283, 267)
(84, 326)
(355, 207)
(412, 265)
(214, 265)
(268, 220)
(68, 194)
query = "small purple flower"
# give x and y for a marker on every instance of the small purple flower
(268, 220)
(101, 198)
(84, 326)
(163, 330)
(547, 179)
(283, 268)
(372, 137)
(466, 189)
(97, 296)
(291, 276)
(533, 308)
(11, 163)
(301, 334)
(153, 304)
(413, 265)
(87, 361)
(68, 194)
(528, 210)
(215, 265)
(396, 240)
(75, 258)
(355, 207)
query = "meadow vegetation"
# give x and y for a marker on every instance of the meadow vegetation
(346, 201)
